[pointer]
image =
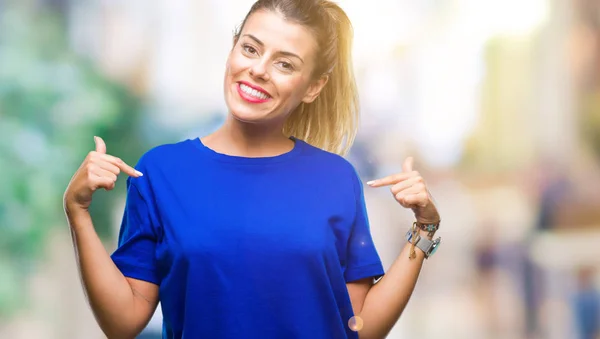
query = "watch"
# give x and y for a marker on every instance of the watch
(429, 247)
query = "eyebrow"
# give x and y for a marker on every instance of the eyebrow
(290, 54)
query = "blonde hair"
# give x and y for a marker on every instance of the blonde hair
(331, 121)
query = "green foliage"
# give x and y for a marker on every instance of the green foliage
(52, 103)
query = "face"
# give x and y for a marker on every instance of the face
(269, 69)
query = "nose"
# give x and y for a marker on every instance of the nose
(259, 70)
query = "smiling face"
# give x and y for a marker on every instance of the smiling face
(269, 69)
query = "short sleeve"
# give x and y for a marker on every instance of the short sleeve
(135, 255)
(362, 258)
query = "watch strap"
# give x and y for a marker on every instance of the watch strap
(423, 243)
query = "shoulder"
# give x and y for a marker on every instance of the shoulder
(167, 150)
(163, 163)
(165, 153)
(334, 164)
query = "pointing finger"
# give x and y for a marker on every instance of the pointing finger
(132, 172)
(101, 148)
(389, 180)
(110, 166)
(410, 183)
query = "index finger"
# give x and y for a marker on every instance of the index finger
(389, 180)
(132, 172)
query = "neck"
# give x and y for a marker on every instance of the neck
(249, 140)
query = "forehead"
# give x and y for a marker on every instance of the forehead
(278, 33)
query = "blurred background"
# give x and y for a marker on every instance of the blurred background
(498, 100)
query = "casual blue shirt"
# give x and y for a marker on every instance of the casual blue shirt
(248, 247)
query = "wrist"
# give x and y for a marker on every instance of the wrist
(72, 205)
(74, 211)
(429, 227)
(427, 235)
(422, 239)
(428, 222)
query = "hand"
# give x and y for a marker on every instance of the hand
(410, 190)
(98, 170)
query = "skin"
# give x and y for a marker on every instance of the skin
(122, 306)
(279, 57)
(378, 307)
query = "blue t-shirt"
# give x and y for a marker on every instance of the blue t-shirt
(248, 247)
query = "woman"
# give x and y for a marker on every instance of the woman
(258, 230)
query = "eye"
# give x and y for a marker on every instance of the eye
(286, 66)
(249, 49)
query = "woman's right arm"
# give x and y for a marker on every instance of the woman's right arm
(122, 306)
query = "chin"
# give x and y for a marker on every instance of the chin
(246, 112)
(246, 116)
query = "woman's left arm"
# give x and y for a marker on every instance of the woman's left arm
(378, 307)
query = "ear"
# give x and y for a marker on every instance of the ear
(314, 89)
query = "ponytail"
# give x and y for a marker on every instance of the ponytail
(331, 121)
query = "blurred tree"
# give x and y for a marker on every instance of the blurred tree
(52, 103)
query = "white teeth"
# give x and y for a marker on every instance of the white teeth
(253, 92)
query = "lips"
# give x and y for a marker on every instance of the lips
(255, 87)
(252, 93)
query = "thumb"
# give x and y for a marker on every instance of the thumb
(100, 145)
(407, 166)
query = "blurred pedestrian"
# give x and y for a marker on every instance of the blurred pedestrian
(586, 305)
